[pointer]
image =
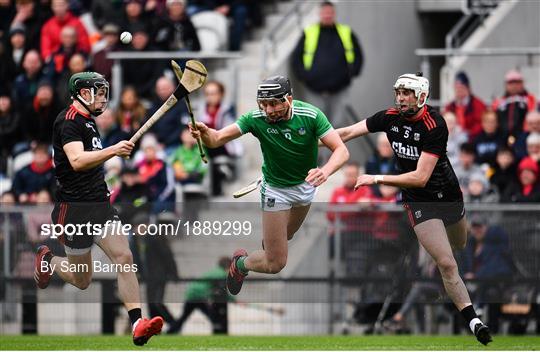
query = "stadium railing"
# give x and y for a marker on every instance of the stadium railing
(368, 256)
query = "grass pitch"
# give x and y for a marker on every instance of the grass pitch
(278, 343)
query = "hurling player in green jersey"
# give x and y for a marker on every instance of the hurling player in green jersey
(288, 131)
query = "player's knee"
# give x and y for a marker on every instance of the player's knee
(276, 265)
(124, 257)
(447, 265)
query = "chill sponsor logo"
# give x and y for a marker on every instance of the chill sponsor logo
(405, 151)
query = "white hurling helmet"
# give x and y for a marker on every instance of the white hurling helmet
(416, 83)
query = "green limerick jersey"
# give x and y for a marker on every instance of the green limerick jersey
(289, 147)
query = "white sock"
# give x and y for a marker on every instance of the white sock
(473, 323)
(135, 325)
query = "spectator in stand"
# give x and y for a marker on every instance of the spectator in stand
(158, 176)
(7, 13)
(135, 15)
(488, 140)
(59, 59)
(26, 83)
(50, 33)
(186, 161)
(131, 199)
(106, 12)
(504, 172)
(385, 224)
(169, 126)
(141, 74)
(11, 55)
(109, 130)
(77, 63)
(217, 113)
(466, 166)
(40, 115)
(32, 178)
(175, 31)
(533, 146)
(131, 112)
(382, 162)
(100, 62)
(10, 128)
(479, 190)
(31, 17)
(488, 256)
(236, 10)
(512, 107)
(456, 137)
(532, 119)
(527, 189)
(326, 59)
(351, 222)
(467, 107)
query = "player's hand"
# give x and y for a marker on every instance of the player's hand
(364, 180)
(123, 148)
(199, 129)
(316, 177)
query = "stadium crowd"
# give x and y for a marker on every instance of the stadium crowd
(42, 43)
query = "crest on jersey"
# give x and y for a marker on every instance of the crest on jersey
(418, 214)
(416, 136)
(270, 202)
(301, 131)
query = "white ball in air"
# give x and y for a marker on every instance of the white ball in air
(125, 37)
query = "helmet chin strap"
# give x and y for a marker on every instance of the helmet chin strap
(86, 104)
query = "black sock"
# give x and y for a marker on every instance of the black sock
(468, 313)
(134, 315)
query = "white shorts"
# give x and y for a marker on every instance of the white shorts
(285, 198)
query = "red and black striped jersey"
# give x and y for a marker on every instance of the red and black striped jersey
(411, 137)
(73, 125)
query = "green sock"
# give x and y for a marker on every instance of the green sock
(241, 266)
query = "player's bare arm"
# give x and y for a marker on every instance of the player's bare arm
(414, 179)
(82, 160)
(340, 154)
(215, 138)
(353, 131)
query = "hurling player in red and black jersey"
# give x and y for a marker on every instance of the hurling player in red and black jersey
(82, 198)
(431, 193)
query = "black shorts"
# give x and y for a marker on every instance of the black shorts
(77, 213)
(450, 209)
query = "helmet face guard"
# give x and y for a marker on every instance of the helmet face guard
(96, 84)
(273, 91)
(417, 84)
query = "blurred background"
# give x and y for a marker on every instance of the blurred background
(355, 266)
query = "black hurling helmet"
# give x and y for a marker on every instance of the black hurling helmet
(275, 87)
